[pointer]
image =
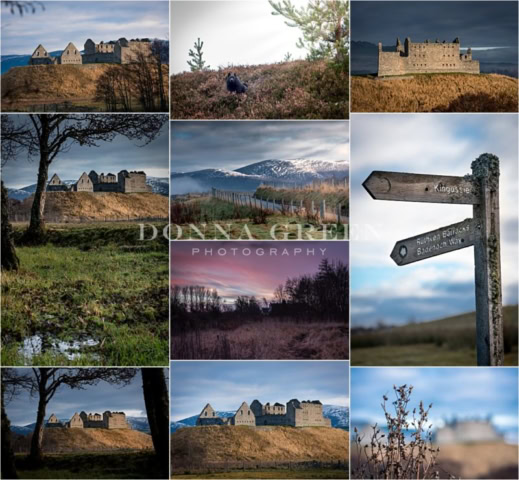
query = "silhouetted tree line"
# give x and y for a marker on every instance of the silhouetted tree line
(321, 296)
(325, 292)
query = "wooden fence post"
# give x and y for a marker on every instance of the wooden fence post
(489, 310)
(323, 209)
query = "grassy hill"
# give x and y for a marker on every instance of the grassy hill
(95, 206)
(291, 90)
(80, 440)
(435, 93)
(199, 445)
(23, 88)
(448, 341)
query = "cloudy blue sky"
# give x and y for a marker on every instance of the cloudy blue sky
(477, 23)
(233, 144)
(454, 392)
(112, 157)
(76, 21)
(225, 385)
(234, 33)
(433, 144)
(98, 398)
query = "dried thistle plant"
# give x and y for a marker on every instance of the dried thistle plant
(393, 456)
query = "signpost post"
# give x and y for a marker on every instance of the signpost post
(481, 189)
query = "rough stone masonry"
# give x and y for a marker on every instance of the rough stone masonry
(427, 57)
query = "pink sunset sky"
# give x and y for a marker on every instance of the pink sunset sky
(248, 268)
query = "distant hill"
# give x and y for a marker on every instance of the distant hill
(339, 416)
(364, 59)
(249, 177)
(69, 440)
(266, 444)
(94, 206)
(9, 61)
(439, 92)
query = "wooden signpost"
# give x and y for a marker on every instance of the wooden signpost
(481, 189)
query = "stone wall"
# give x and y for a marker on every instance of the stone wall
(427, 57)
(115, 420)
(84, 184)
(70, 56)
(244, 416)
(133, 182)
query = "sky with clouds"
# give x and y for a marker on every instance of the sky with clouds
(252, 268)
(454, 392)
(233, 144)
(476, 23)
(113, 157)
(61, 22)
(234, 32)
(226, 384)
(432, 144)
(129, 399)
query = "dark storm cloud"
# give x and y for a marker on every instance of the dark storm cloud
(112, 157)
(477, 24)
(230, 145)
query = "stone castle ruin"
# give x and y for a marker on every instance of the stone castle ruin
(295, 414)
(427, 57)
(108, 420)
(124, 182)
(121, 51)
(467, 431)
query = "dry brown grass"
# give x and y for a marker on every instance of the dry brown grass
(435, 93)
(70, 440)
(267, 340)
(483, 460)
(198, 445)
(98, 206)
(38, 84)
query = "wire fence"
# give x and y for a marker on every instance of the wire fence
(292, 207)
(313, 185)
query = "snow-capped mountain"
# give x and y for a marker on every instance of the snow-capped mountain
(137, 423)
(340, 417)
(159, 185)
(249, 177)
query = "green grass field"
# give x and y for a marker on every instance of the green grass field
(98, 465)
(95, 284)
(446, 342)
(244, 223)
(273, 473)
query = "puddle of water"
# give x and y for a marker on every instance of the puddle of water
(38, 344)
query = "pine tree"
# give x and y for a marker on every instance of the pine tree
(323, 23)
(197, 64)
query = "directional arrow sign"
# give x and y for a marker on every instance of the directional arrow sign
(427, 245)
(413, 187)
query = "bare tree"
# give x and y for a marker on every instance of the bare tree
(156, 399)
(22, 6)
(45, 382)
(46, 136)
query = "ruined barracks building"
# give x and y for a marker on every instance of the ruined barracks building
(108, 420)
(295, 414)
(125, 182)
(427, 57)
(120, 51)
